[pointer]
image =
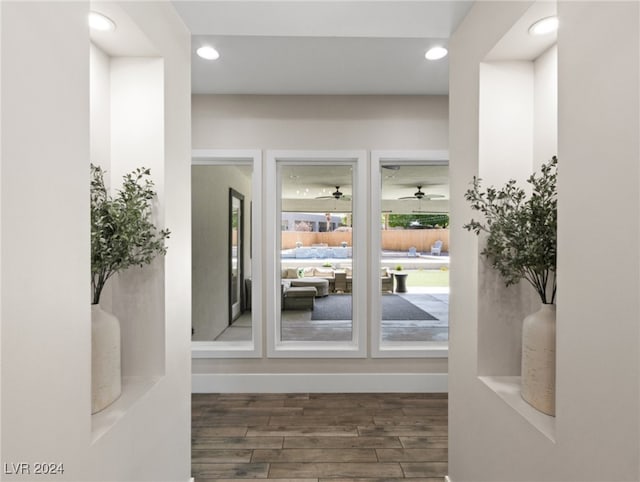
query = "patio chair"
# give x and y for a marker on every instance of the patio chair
(436, 248)
(412, 252)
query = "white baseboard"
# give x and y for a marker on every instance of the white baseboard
(319, 382)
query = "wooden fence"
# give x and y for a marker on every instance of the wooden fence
(392, 239)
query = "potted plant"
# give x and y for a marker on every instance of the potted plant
(521, 243)
(122, 235)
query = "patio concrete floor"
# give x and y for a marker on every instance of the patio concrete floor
(298, 326)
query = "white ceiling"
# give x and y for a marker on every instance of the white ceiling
(321, 47)
(399, 185)
(309, 188)
(127, 41)
(303, 180)
(341, 47)
(318, 65)
(517, 44)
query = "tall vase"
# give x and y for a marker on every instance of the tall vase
(106, 384)
(539, 360)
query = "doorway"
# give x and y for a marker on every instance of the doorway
(236, 254)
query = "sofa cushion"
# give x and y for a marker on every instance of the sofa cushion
(301, 292)
(323, 272)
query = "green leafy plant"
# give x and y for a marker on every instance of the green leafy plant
(122, 232)
(419, 220)
(522, 230)
(399, 267)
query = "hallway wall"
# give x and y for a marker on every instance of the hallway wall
(45, 252)
(319, 122)
(595, 434)
(210, 218)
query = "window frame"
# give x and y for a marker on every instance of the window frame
(395, 349)
(357, 347)
(253, 348)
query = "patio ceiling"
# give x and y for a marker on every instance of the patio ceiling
(302, 184)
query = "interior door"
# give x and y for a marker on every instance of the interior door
(236, 250)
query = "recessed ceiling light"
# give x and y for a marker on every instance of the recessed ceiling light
(97, 21)
(436, 53)
(207, 52)
(544, 26)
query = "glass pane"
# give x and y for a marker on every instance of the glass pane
(221, 273)
(316, 252)
(236, 245)
(414, 270)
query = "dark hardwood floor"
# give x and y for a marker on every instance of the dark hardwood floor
(318, 437)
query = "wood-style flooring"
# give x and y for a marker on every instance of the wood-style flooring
(319, 437)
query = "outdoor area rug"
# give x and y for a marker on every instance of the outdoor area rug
(394, 307)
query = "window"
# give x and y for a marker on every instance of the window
(410, 300)
(317, 276)
(322, 244)
(226, 271)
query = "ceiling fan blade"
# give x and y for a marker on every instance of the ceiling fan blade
(424, 196)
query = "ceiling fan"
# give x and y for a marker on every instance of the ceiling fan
(420, 194)
(337, 194)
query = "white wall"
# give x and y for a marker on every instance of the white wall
(505, 151)
(598, 125)
(210, 217)
(45, 235)
(319, 122)
(100, 127)
(100, 107)
(46, 332)
(545, 117)
(596, 427)
(160, 420)
(506, 121)
(137, 139)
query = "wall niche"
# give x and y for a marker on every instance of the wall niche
(517, 134)
(126, 132)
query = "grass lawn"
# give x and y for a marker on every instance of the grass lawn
(427, 277)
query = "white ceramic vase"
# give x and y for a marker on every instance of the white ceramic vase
(106, 383)
(539, 359)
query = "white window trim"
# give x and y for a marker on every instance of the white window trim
(396, 349)
(239, 349)
(357, 347)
